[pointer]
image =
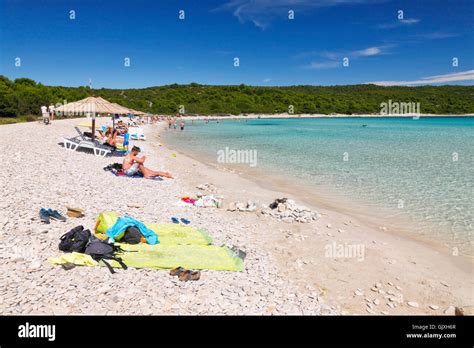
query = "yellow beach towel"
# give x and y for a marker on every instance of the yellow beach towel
(174, 234)
(75, 258)
(187, 256)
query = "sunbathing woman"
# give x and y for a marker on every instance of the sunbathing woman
(111, 137)
(133, 164)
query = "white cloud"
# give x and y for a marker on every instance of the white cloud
(399, 23)
(324, 65)
(334, 59)
(262, 12)
(461, 76)
(437, 35)
(409, 21)
(371, 51)
(266, 80)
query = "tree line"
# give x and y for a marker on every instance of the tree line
(24, 96)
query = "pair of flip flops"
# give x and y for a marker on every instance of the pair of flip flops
(185, 274)
(175, 220)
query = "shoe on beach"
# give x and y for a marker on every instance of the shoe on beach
(185, 275)
(44, 215)
(185, 221)
(175, 220)
(195, 275)
(189, 275)
(176, 271)
(56, 215)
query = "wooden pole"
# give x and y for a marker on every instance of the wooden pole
(93, 128)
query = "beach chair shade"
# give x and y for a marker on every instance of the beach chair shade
(92, 106)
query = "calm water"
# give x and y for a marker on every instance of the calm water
(422, 169)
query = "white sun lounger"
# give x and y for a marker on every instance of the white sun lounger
(72, 144)
(136, 133)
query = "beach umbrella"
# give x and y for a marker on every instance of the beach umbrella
(133, 111)
(91, 106)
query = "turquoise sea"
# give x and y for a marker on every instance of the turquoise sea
(422, 169)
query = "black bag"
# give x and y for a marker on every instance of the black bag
(75, 240)
(117, 167)
(100, 250)
(132, 235)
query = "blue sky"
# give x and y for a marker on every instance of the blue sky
(272, 49)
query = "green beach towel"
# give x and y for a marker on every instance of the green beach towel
(187, 256)
(174, 234)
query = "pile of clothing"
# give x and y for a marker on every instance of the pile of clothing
(204, 201)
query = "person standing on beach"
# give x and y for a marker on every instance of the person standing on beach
(132, 164)
(44, 113)
(52, 111)
(181, 125)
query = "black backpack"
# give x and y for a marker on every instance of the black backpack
(100, 250)
(75, 240)
(117, 167)
(132, 235)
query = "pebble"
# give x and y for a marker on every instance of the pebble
(450, 310)
(434, 307)
(413, 304)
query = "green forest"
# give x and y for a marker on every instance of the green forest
(24, 97)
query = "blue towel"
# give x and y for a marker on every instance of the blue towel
(117, 231)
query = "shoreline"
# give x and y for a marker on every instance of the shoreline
(11, 120)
